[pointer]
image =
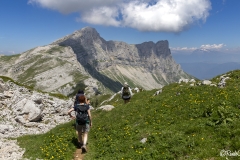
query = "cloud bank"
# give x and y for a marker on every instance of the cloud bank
(144, 15)
(206, 47)
(212, 47)
(202, 47)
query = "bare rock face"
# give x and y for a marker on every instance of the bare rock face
(50, 68)
(84, 56)
(148, 65)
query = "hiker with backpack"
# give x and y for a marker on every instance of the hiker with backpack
(83, 121)
(126, 93)
(80, 92)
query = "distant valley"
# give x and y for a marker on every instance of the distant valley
(203, 70)
(206, 64)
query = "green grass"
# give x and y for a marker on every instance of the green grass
(197, 124)
(59, 143)
(9, 58)
(98, 99)
(182, 122)
(56, 49)
(5, 79)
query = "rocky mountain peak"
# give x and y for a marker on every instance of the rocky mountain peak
(101, 57)
(84, 35)
(84, 58)
(88, 30)
(161, 48)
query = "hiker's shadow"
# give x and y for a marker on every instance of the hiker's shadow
(75, 142)
(74, 139)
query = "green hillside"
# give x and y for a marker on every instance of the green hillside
(182, 122)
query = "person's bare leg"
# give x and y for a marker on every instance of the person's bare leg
(85, 138)
(80, 138)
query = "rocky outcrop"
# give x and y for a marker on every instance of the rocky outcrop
(27, 112)
(9, 150)
(221, 84)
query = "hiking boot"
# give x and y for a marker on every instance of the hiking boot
(80, 145)
(84, 149)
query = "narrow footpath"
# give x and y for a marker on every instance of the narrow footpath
(78, 154)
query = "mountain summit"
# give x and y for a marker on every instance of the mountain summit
(84, 59)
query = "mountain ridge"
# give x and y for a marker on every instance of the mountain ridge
(83, 59)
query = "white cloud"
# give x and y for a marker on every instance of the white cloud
(212, 46)
(202, 47)
(148, 15)
(69, 6)
(103, 15)
(184, 49)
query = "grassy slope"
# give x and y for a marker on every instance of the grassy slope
(37, 61)
(59, 143)
(9, 58)
(197, 123)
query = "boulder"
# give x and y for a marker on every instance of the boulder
(206, 82)
(106, 107)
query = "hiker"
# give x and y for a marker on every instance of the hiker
(89, 103)
(82, 124)
(126, 93)
(80, 92)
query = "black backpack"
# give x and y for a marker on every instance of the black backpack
(82, 114)
(125, 91)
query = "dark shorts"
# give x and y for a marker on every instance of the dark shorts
(83, 128)
(126, 97)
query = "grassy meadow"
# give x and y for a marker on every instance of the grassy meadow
(183, 122)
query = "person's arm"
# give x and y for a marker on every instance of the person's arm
(69, 113)
(130, 91)
(90, 117)
(75, 101)
(121, 91)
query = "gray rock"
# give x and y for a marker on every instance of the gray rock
(106, 107)
(206, 82)
(26, 112)
(157, 92)
(144, 140)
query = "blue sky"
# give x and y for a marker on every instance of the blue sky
(186, 24)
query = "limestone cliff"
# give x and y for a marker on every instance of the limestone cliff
(85, 60)
(148, 65)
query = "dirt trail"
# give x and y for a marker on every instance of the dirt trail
(78, 155)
